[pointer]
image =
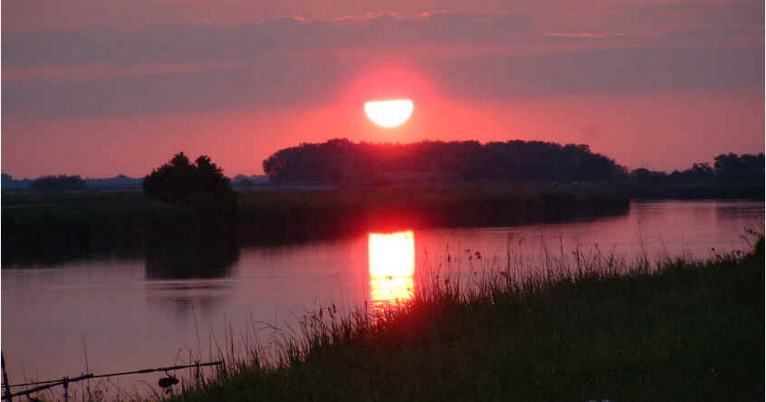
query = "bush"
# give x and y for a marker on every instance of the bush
(201, 184)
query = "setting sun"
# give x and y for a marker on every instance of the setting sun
(389, 113)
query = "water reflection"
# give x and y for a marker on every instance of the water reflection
(48, 315)
(211, 257)
(184, 299)
(392, 266)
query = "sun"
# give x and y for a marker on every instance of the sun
(389, 113)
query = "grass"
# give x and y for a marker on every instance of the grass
(599, 330)
(57, 229)
(39, 228)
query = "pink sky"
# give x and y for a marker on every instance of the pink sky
(97, 90)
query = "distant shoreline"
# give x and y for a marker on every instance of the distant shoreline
(40, 228)
(49, 228)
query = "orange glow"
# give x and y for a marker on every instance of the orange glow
(388, 83)
(392, 254)
(389, 113)
(391, 290)
(392, 266)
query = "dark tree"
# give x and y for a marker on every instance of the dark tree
(699, 172)
(340, 160)
(57, 184)
(643, 174)
(201, 184)
(742, 168)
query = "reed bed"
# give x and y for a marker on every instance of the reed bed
(589, 327)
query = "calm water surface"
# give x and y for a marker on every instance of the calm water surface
(124, 315)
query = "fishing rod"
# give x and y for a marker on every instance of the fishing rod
(43, 385)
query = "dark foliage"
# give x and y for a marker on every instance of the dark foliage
(9, 183)
(731, 176)
(201, 184)
(644, 175)
(732, 168)
(51, 228)
(58, 184)
(204, 250)
(340, 160)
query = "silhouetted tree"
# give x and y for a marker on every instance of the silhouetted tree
(340, 160)
(745, 168)
(643, 174)
(60, 183)
(699, 172)
(201, 184)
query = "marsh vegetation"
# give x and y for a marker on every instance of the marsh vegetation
(595, 330)
(40, 228)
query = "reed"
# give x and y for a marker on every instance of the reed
(589, 327)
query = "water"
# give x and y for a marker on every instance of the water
(114, 315)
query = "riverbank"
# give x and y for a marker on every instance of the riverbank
(703, 190)
(687, 331)
(53, 228)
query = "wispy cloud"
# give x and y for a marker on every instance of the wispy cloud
(251, 41)
(295, 61)
(584, 35)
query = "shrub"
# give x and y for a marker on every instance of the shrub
(200, 184)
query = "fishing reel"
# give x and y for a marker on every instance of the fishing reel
(166, 383)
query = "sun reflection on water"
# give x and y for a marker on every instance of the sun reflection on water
(392, 266)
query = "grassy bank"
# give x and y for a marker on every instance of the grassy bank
(687, 331)
(54, 228)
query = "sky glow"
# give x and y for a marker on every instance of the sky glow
(141, 80)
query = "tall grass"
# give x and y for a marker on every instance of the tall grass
(593, 328)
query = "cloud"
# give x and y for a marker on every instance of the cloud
(289, 61)
(723, 15)
(653, 17)
(600, 71)
(270, 83)
(283, 82)
(250, 41)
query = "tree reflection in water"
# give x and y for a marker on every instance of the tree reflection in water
(205, 254)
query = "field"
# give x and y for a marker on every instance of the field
(683, 331)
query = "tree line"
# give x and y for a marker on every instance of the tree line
(731, 168)
(340, 160)
(202, 183)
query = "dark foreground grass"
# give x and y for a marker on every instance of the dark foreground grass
(687, 331)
